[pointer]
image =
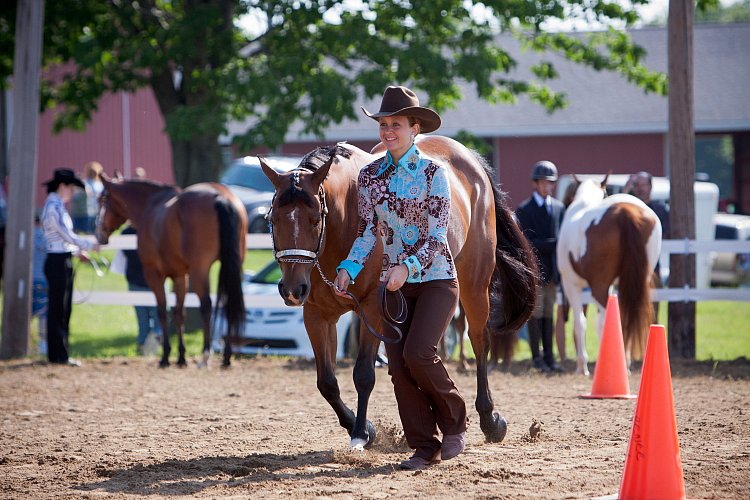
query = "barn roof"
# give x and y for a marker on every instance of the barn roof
(601, 102)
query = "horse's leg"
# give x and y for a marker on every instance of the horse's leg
(200, 285)
(323, 339)
(560, 331)
(180, 288)
(477, 310)
(161, 312)
(460, 334)
(575, 299)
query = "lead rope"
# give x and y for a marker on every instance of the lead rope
(390, 320)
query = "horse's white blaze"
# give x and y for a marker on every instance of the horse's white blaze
(295, 226)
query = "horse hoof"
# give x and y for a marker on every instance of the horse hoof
(358, 444)
(497, 430)
(163, 364)
(361, 443)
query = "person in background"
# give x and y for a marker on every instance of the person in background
(640, 186)
(540, 217)
(62, 243)
(417, 261)
(39, 287)
(148, 320)
(85, 204)
(140, 173)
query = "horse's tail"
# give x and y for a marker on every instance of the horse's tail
(514, 279)
(229, 296)
(634, 282)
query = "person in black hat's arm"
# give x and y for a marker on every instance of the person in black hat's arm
(62, 243)
(405, 199)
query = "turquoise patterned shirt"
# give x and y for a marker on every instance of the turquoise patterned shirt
(407, 205)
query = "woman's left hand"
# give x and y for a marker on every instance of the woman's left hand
(396, 277)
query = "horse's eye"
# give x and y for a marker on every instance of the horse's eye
(315, 221)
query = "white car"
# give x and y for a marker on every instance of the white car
(275, 330)
(729, 268)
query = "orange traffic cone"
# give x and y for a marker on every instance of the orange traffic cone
(653, 468)
(611, 372)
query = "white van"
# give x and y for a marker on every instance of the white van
(706, 202)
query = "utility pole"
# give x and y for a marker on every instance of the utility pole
(681, 139)
(22, 176)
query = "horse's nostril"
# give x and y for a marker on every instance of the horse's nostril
(302, 292)
(282, 292)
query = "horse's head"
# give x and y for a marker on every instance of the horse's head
(111, 210)
(587, 191)
(297, 217)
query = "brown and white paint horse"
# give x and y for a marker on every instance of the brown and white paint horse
(603, 240)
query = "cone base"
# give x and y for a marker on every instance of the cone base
(608, 396)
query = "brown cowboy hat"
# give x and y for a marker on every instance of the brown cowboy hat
(400, 101)
(64, 176)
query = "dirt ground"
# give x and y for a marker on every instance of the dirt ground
(127, 429)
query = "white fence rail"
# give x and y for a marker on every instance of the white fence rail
(263, 241)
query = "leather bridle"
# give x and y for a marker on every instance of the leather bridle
(299, 255)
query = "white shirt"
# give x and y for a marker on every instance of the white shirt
(58, 228)
(543, 202)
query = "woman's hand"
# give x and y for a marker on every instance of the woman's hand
(341, 283)
(396, 277)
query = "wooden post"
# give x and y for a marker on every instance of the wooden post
(681, 139)
(19, 235)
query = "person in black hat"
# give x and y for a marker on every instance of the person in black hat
(62, 243)
(540, 217)
(405, 196)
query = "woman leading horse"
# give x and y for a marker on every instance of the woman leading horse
(457, 240)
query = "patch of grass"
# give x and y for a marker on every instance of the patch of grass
(721, 332)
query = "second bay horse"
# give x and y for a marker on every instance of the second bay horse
(315, 220)
(602, 240)
(181, 233)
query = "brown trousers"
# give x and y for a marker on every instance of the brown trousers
(427, 398)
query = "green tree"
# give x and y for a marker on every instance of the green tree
(308, 60)
(738, 12)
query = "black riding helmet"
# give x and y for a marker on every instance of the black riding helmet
(544, 170)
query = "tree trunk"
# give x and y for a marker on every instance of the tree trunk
(197, 160)
(681, 138)
(23, 154)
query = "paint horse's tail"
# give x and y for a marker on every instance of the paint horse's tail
(634, 273)
(514, 280)
(229, 296)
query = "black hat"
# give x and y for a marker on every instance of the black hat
(400, 101)
(64, 176)
(544, 170)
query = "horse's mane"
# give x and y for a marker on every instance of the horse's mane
(312, 161)
(318, 156)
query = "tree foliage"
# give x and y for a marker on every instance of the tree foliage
(307, 61)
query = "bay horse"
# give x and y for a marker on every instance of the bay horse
(181, 233)
(603, 239)
(314, 218)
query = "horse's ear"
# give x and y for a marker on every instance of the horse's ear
(320, 174)
(604, 181)
(575, 178)
(118, 175)
(272, 174)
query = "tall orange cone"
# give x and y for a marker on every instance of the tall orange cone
(653, 468)
(611, 372)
